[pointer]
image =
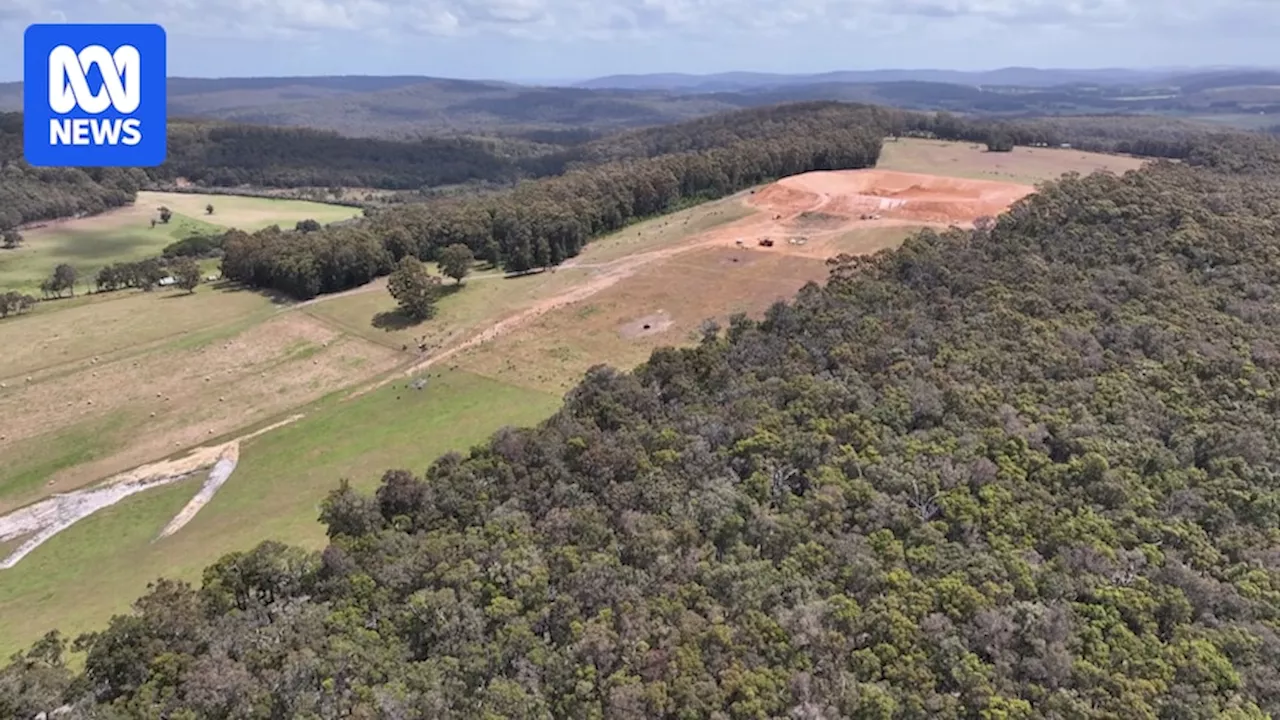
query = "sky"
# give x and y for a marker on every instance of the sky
(561, 40)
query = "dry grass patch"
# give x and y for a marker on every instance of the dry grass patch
(178, 395)
(665, 231)
(971, 160)
(672, 296)
(462, 312)
(862, 241)
(66, 332)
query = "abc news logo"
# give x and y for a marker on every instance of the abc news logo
(69, 90)
(94, 95)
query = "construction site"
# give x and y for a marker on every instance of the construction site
(812, 214)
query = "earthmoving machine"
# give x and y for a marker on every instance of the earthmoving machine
(766, 242)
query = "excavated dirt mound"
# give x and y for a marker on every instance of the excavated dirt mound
(880, 194)
(782, 198)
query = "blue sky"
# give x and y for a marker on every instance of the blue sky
(564, 39)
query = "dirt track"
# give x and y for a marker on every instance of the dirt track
(818, 206)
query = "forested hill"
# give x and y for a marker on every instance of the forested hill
(29, 194)
(1025, 471)
(231, 155)
(542, 223)
(610, 182)
(225, 154)
(219, 154)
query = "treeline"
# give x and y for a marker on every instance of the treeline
(1146, 136)
(196, 246)
(30, 194)
(1025, 471)
(1128, 134)
(14, 303)
(332, 195)
(143, 274)
(305, 264)
(538, 224)
(724, 129)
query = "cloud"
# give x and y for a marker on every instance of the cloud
(603, 19)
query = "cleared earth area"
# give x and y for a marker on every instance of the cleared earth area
(661, 296)
(126, 380)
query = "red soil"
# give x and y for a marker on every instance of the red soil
(910, 197)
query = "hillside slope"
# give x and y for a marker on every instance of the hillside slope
(1019, 472)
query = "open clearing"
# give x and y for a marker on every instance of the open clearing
(213, 365)
(126, 234)
(1023, 165)
(660, 297)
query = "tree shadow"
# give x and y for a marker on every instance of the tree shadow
(524, 273)
(392, 320)
(222, 285)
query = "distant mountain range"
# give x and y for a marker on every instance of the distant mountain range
(408, 105)
(1021, 76)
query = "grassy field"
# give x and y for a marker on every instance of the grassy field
(212, 364)
(147, 366)
(1023, 165)
(660, 232)
(126, 233)
(64, 332)
(467, 309)
(246, 213)
(95, 568)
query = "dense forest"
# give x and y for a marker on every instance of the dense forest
(730, 128)
(228, 155)
(1020, 471)
(542, 223)
(30, 194)
(1133, 135)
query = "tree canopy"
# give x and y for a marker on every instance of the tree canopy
(414, 288)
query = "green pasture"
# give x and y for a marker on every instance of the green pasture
(126, 234)
(97, 567)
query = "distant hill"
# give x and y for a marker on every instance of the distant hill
(1201, 82)
(737, 81)
(412, 106)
